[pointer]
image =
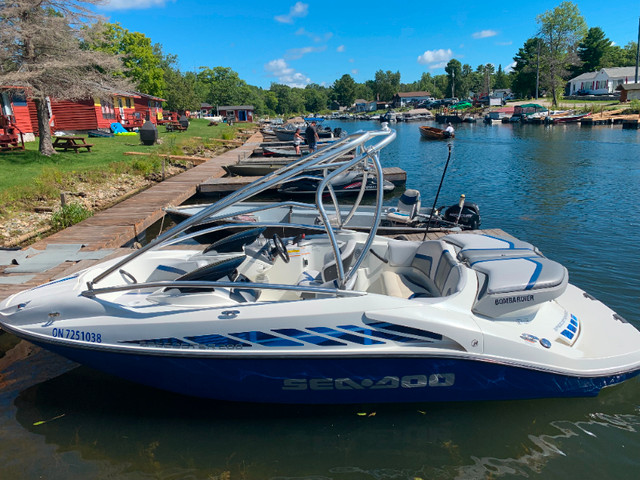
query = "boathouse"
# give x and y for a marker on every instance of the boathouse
(629, 91)
(604, 81)
(237, 113)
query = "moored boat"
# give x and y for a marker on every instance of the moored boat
(333, 317)
(433, 133)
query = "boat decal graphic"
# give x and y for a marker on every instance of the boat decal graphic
(381, 334)
(217, 341)
(266, 339)
(345, 336)
(406, 330)
(169, 342)
(385, 383)
(56, 281)
(308, 337)
(529, 338)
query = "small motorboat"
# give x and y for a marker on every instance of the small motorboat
(408, 216)
(333, 317)
(346, 183)
(433, 133)
(566, 117)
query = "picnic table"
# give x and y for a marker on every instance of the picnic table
(174, 127)
(71, 143)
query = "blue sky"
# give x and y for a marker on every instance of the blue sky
(308, 41)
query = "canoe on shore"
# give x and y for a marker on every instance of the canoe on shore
(434, 133)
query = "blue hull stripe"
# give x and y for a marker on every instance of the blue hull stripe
(337, 380)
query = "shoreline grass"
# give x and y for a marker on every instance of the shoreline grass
(29, 176)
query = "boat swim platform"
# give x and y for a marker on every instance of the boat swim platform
(395, 175)
(28, 268)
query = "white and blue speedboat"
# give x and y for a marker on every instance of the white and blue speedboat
(334, 317)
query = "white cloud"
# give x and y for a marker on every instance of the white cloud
(510, 67)
(355, 71)
(296, 53)
(434, 66)
(133, 4)
(340, 49)
(485, 34)
(299, 10)
(504, 44)
(285, 74)
(316, 38)
(433, 56)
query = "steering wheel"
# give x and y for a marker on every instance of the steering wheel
(280, 248)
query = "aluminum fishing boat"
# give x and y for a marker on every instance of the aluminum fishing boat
(333, 317)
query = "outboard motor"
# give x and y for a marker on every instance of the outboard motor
(337, 132)
(467, 219)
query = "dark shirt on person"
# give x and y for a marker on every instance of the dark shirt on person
(310, 135)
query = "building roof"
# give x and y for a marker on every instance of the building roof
(236, 107)
(613, 72)
(629, 86)
(413, 94)
(620, 72)
(151, 97)
(360, 100)
(205, 105)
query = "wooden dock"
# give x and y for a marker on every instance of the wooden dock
(229, 184)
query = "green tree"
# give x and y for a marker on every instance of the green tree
(363, 91)
(344, 90)
(223, 86)
(561, 30)
(386, 85)
(592, 51)
(501, 79)
(41, 51)
(142, 66)
(181, 89)
(454, 73)
(620, 57)
(316, 98)
(523, 75)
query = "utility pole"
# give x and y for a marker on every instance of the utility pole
(538, 70)
(638, 51)
(453, 82)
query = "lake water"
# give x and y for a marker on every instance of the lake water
(574, 192)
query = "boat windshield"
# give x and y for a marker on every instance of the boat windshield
(359, 152)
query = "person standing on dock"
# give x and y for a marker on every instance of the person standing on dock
(312, 137)
(297, 140)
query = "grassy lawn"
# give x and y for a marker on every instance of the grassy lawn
(28, 175)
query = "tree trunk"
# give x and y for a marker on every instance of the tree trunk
(45, 147)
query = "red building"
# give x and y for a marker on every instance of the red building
(129, 109)
(237, 113)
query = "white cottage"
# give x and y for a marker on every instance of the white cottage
(602, 82)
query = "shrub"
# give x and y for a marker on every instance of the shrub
(634, 106)
(68, 215)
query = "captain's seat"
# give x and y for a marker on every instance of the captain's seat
(408, 207)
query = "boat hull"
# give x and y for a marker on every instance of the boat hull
(337, 380)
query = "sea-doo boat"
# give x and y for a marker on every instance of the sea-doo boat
(334, 317)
